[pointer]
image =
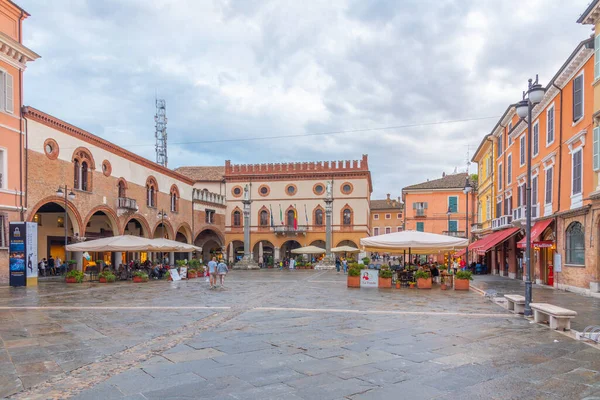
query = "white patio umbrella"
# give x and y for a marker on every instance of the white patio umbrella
(309, 250)
(162, 244)
(345, 249)
(414, 242)
(114, 243)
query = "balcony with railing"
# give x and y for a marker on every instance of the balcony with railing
(458, 234)
(520, 213)
(420, 213)
(289, 230)
(125, 203)
(208, 197)
(476, 227)
(504, 221)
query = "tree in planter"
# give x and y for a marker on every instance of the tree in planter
(423, 279)
(366, 260)
(461, 280)
(74, 276)
(270, 261)
(385, 277)
(106, 277)
(354, 276)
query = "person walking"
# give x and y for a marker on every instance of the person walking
(222, 270)
(345, 263)
(212, 272)
(51, 265)
(337, 265)
(42, 266)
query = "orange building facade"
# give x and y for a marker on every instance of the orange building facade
(387, 216)
(562, 184)
(14, 57)
(440, 206)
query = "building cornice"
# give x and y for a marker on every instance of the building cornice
(14, 52)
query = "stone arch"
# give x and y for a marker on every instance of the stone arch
(347, 242)
(184, 227)
(287, 246)
(142, 221)
(234, 248)
(268, 250)
(211, 241)
(319, 243)
(168, 228)
(72, 211)
(110, 214)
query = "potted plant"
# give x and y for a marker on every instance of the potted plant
(74, 276)
(140, 276)
(412, 284)
(423, 279)
(385, 277)
(354, 276)
(443, 285)
(366, 260)
(461, 280)
(106, 277)
(168, 275)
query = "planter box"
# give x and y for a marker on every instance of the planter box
(138, 279)
(102, 280)
(385, 283)
(461, 284)
(424, 283)
(71, 280)
(191, 276)
(397, 285)
(354, 281)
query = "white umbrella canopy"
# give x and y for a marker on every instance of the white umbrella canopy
(162, 244)
(345, 249)
(309, 250)
(114, 243)
(413, 241)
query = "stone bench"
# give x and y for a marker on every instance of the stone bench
(560, 318)
(516, 303)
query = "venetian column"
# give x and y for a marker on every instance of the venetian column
(247, 262)
(328, 261)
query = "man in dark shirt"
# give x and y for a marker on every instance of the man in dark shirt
(51, 265)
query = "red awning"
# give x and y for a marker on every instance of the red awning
(474, 246)
(496, 238)
(536, 231)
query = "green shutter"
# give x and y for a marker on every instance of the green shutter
(453, 226)
(453, 203)
(596, 148)
(421, 226)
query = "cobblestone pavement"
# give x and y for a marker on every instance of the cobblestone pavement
(588, 308)
(279, 335)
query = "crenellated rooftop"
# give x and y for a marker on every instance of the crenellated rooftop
(298, 167)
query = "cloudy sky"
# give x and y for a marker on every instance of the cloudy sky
(247, 69)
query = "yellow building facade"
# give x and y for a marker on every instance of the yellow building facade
(484, 157)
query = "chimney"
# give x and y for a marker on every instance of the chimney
(443, 174)
(388, 198)
(399, 200)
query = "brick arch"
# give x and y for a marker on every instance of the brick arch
(124, 182)
(82, 153)
(168, 226)
(140, 218)
(71, 211)
(346, 207)
(174, 189)
(187, 231)
(151, 180)
(110, 213)
(285, 214)
(218, 233)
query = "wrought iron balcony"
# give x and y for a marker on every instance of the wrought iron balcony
(125, 203)
(504, 221)
(459, 234)
(289, 230)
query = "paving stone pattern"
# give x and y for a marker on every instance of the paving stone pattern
(405, 343)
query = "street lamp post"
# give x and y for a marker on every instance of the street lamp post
(466, 191)
(162, 215)
(71, 196)
(533, 95)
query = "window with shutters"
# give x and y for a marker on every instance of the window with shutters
(500, 175)
(453, 203)
(550, 126)
(548, 196)
(536, 139)
(237, 218)
(596, 148)
(452, 226)
(500, 145)
(522, 151)
(520, 196)
(509, 169)
(576, 172)
(498, 209)
(421, 226)
(419, 208)
(534, 190)
(7, 92)
(375, 216)
(578, 98)
(488, 209)
(388, 216)
(597, 57)
(508, 206)
(510, 126)
(490, 168)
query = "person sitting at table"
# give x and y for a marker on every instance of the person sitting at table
(435, 273)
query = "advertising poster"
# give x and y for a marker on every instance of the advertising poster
(174, 274)
(17, 259)
(369, 278)
(31, 251)
(557, 262)
(183, 272)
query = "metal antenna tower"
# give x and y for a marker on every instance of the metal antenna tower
(161, 132)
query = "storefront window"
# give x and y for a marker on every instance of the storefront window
(575, 244)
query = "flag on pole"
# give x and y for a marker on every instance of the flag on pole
(305, 214)
(271, 211)
(295, 218)
(280, 215)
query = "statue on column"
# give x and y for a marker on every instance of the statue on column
(246, 193)
(329, 189)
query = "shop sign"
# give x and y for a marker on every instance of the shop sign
(174, 274)
(557, 262)
(183, 272)
(369, 278)
(544, 244)
(22, 252)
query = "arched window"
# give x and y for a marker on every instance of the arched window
(264, 218)
(84, 176)
(319, 217)
(237, 218)
(174, 199)
(77, 174)
(121, 189)
(290, 218)
(575, 244)
(151, 192)
(347, 217)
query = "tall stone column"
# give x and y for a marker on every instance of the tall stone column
(329, 260)
(248, 261)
